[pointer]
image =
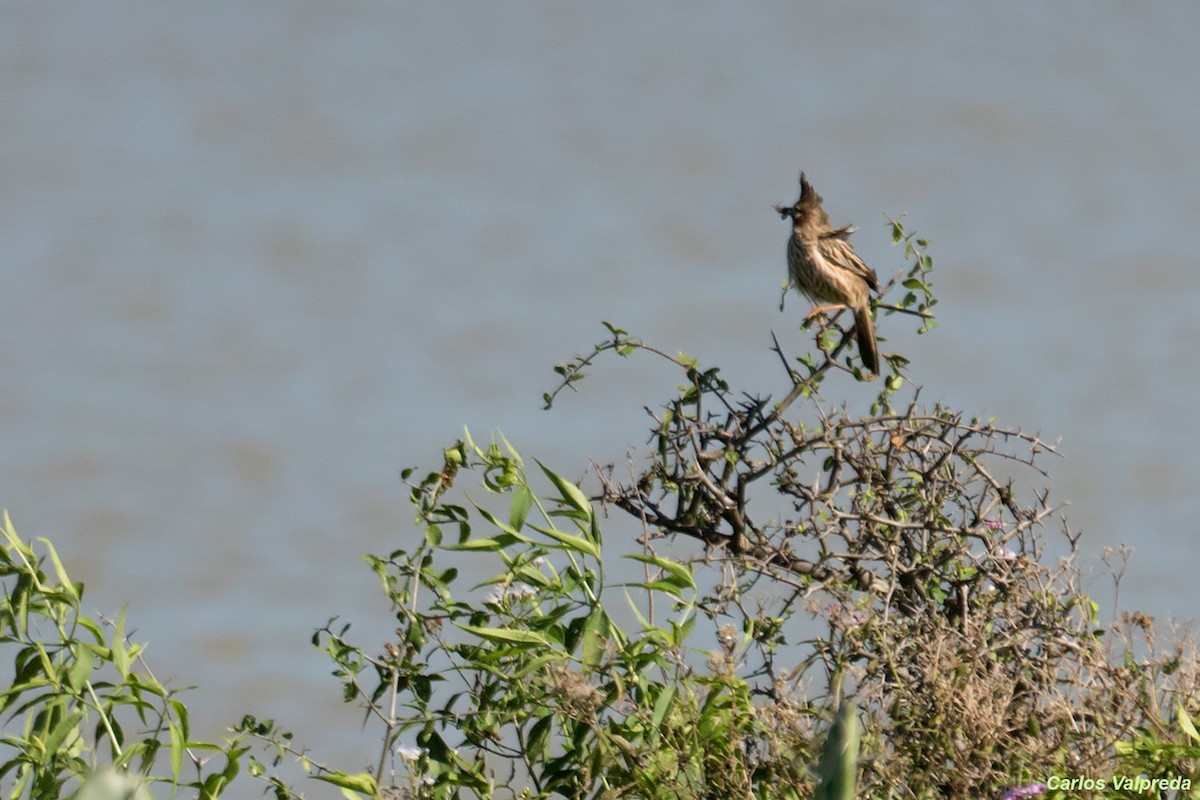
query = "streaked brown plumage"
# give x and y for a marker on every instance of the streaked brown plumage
(822, 264)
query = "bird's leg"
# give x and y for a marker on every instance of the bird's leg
(822, 309)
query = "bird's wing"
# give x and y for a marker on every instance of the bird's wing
(839, 251)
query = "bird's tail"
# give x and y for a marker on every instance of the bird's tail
(864, 328)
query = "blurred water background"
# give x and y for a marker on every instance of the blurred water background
(257, 258)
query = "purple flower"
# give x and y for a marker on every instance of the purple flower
(1032, 790)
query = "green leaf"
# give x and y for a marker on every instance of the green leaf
(838, 767)
(181, 714)
(521, 503)
(120, 656)
(645, 623)
(504, 527)
(362, 783)
(680, 631)
(514, 635)
(680, 575)
(65, 734)
(538, 738)
(594, 534)
(661, 706)
(576, 543)
(484, 545)
(60, 572)
(92, 627)
(178, 746)
(667, 587)
(81, 670)
(595, 633)
(535, 665)
(569, 492)
(1185, 722)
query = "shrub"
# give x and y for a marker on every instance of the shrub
(86, 699)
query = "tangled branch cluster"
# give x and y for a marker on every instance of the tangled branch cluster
(902, 506)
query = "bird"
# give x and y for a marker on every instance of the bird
(822, 264)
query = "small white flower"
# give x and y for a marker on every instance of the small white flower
(521, 590)
(410, 753)
(502, 596)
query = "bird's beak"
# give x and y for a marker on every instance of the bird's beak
(784, 212)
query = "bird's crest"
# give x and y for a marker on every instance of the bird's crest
(808, 195)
